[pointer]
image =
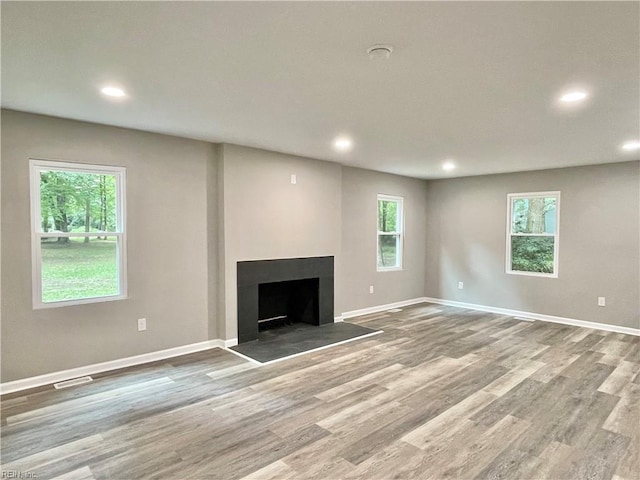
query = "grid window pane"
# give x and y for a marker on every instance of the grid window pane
(532, 254)
(536, 215)
(78, 268)
(388, 251)
(387, 216)
(77, 202)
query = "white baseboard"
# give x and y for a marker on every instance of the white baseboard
(536, 316)
(338, 319)
(62, 375)
(381, 308)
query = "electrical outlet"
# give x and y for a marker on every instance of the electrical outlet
(142, 324)
(294, 179)
(370, 288)
(602, 302)
(460, 285)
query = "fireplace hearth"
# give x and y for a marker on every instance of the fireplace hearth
(283, 291)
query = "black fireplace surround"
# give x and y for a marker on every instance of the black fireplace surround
(272, 288)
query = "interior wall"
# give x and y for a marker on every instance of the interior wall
(166, 239)
(267, 217)
(213, 222)
(220, 274)
(360, 189)
(598, 250)
(1, 260)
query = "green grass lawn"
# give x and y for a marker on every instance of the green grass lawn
(78, 270)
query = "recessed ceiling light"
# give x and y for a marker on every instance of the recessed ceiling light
(343, 144)
(631, 145)
(448, 165)
(574, 96)
(113, 92)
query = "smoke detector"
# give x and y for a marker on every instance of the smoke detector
(379, 51)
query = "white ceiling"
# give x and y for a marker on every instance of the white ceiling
(476, 82)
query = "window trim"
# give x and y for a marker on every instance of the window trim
(35, 167)
(556, 235)
(399, 232)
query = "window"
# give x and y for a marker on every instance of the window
(390, 227)
(77, 239)
(532, 233)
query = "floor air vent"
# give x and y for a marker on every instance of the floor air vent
(73, 382)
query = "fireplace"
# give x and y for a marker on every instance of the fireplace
(291, 290)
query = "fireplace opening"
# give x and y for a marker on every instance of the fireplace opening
(288, 302)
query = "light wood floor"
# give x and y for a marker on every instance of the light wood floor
(444, 393)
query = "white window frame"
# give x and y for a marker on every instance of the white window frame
(556, 243)
(35, 167)
(399, 232)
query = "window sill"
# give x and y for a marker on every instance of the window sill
(84, 301)
(533, 274)
(390, 269)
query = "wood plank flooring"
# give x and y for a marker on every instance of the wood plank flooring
(443, 393)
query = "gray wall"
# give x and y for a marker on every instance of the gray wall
(359, 243)
(1, 261)
(214, 220)
(265, 216)
(599, 243)
(167, 247)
